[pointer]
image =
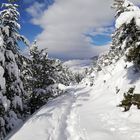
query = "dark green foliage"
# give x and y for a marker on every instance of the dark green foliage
(38, 99)
(126, 102)
(12, 94)
(44, 77)
(134, 55)
(79, 77)
(130, 98)
(126, 39)
(136, 100)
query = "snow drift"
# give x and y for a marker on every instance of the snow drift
(88, 113)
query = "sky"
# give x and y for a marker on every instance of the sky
(69, 29)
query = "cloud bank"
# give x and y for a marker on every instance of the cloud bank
(66, 22)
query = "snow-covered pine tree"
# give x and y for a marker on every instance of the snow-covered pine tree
(39, 68)
(125, 37)
(133, 43)
(47, 75)
(11, 92)
(121, 6)
(120, 35)
(61, 73)
(116, 50)
(4, 102)
(26, 73)
(39, 78)
(125, 40)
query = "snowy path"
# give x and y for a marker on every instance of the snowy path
(66, 118)
(52, 121)
(85, 113)
(85, 122)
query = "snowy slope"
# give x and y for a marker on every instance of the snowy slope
(88, 113)
(77, 65)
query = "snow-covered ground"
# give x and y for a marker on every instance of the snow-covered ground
(88, 113)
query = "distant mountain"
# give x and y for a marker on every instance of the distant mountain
(77, 65)
(94, 58)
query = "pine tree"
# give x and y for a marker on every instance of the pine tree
(125, 40)
(126, 37)
(120, 36)
(39, 78)
(121, 6)
(46, 75)
(133, 44)
(12, 92)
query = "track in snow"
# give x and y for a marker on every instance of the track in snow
(55, 121)
(84, 113)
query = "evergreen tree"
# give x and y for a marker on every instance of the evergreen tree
(120, 36)
(12, 92)
(125, 40)
(133, 44)
(121, 6)
(46, 75)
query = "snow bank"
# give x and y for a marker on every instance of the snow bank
(78, 65)
(126, 17)
(131, 12)
(88, 113)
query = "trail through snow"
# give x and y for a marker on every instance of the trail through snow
(87, 113)
(75, 116)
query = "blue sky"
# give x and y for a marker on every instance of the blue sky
(68, 28)
(31, 31)
(27, 28)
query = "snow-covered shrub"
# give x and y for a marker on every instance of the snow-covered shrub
(130, 98)
(79, 77)
(127, 101)
(41, 96)
(37, 99)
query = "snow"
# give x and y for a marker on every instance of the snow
(6, 30)
(56, 89)
(2, 57)
(5, 102)
(2, 79)
(127, 16)
(13, 69)
(77, 65)
(1, 41)
(17, 102)
(61, 86)
(9, 55)
(126, 3)
(13, 121)
(2, 122)
(88, 112)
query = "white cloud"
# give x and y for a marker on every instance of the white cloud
(102, 31)
(36, 9)
(65, 23)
